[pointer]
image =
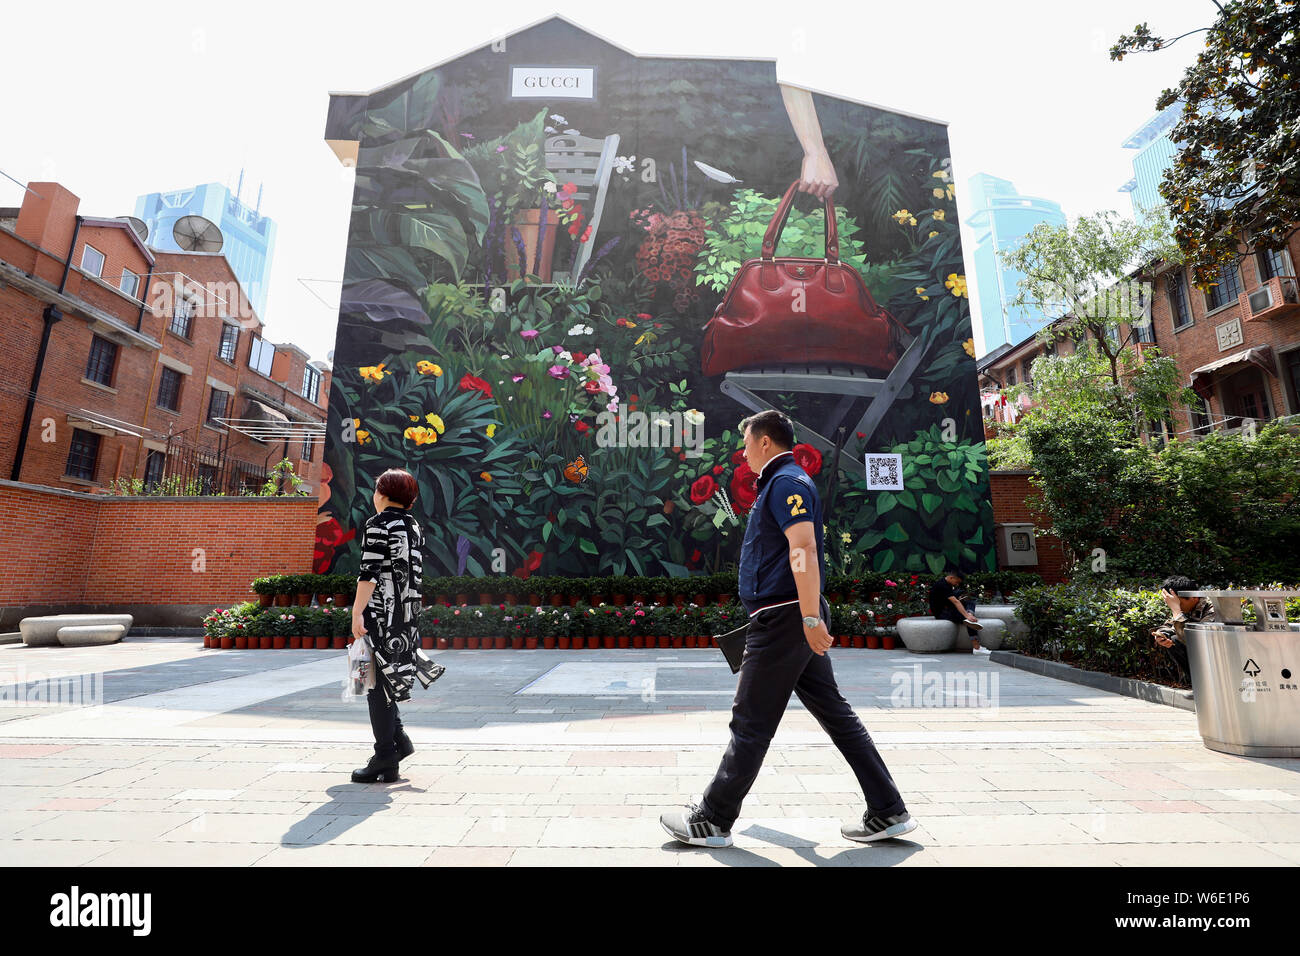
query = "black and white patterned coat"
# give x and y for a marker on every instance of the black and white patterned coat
(391, 557)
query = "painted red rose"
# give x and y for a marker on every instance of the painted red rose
(579, 356)
(702, 489)
(582, 427)
(468, 383)
(743, 487)
(329, 535)
(719, 469)
(591, 387)
(738, 458)
(808, 458)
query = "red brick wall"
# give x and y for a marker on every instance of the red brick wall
(67, 548)
(1010, 491)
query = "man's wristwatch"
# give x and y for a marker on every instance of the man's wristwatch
(811, 621)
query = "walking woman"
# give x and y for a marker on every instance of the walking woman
(386, 612)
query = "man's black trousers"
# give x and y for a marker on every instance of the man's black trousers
(779, 661)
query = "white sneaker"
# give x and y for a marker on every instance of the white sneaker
(980, 650)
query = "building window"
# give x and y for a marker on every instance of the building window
(1025, 370)
(1143, 332)
(154, 466)
(1224, 291)
(306, 448)
(103, 356)
(1272, 263)
(310, 383)
(261, 355)
(169, 389)
(1178, 310)
(183, 317)
(92, 260)
(229, 342)
(1200, 415)
(1011, 377)
(218, 402)
(130, 283)
(82, 455)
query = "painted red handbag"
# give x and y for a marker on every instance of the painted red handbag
(799, 311)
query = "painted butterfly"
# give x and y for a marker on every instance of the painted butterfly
(576, 471)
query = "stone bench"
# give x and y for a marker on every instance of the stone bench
(928, 635)
(90, 635)
(44, 631)
(1014, 629)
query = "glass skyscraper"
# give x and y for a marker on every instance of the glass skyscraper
(1155, 154)
(1003, 218)
(249, 237)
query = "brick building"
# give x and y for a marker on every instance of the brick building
(1237, 345)
(154, 366)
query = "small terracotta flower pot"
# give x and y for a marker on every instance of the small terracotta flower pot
(517, 643)
(511, 599)
(574, 600)
(610, 642)
(620, 599)
(724, 598)
(264, 642)
(282, 600)
(557, 600)
(502, 643)
(241, 643)
(638, 640)
(665, 641)
(458, 643)
(548, 643)
(887, 641)
(624, 640)
(661, 598)
(484, 598)
(833, 597)
(678, 641)
(462, 598)
(265, 600)
(303, 599)
(700, 600)
(564, 643)
(535, 600)
(471, 643)
(323, 643)
(426, 643)
(278, 642)
(341, 600)
(638, 598)
(295, 643)
(690, 642)
(443, 643)
(679, 600)
(530, 643)
(580, 643)
(227, 643)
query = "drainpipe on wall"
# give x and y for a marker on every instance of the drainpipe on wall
(51, 314)
(139, 319)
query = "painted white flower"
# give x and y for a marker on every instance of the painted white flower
(558, 118)
(694, 416)
(623, 164)
(581, 329)
(571, 132)
(550, 129)
(566, 356)
(548, 187)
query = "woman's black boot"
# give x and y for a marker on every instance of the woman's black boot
(375, 772)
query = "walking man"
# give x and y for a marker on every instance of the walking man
(782, 572)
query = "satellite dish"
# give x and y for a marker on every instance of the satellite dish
(138, 225)
(197, 234)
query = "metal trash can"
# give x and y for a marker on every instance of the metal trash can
(1246, 677)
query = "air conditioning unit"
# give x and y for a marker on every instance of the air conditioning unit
(1261, 299)
(1274, 299)
(1017, 545)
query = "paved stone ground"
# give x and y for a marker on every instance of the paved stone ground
(526, 758)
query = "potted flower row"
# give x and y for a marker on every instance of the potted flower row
(249, 626)
(289, 590)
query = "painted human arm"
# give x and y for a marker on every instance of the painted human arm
(817, 174)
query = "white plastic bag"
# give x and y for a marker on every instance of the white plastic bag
(361, 670)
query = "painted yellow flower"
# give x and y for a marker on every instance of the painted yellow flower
(414, 418)
(846, 538)
(938, 214)
(646, 337)
(920, 290)
(420, 435)
(951, 190)
(485, 476)
(491, 430)
(363, 437)
(956, 284)
(428, 368)
(904, 218)
(374, 373)
(631, 324)
(933, 234)
(436, 422)
(938, 398)
(969, 347)
(941, 174)
(937, 192)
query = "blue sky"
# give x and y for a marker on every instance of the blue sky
(144, 96)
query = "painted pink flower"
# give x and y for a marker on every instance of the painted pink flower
(530, 333)
(558, 371)
(516, 378)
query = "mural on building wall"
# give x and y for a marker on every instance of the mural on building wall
(549, 315)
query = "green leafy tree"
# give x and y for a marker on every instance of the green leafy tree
(1237, 173)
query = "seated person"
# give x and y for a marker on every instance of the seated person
(947, 603)
(1181, 610)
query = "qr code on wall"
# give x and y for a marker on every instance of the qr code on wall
(884, 472)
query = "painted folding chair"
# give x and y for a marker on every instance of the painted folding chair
(587, 163)
(851, 384)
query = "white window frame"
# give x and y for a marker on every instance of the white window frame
(97, 272)
(135, 283)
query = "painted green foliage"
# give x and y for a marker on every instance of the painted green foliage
(493, 394)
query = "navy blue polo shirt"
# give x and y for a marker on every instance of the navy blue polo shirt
(786, 495)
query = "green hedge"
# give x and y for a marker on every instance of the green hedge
(1094, 624)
